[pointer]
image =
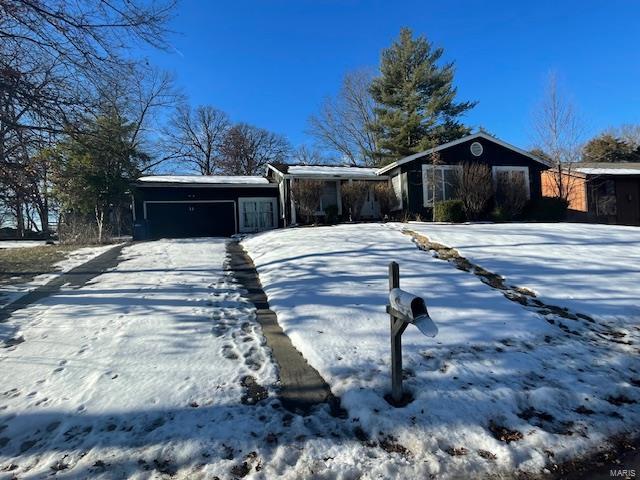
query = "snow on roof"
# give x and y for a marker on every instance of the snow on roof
(630, 168)
(472, 136)
(208, 179)
(332, 171)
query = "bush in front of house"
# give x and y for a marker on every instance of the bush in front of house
(450, 211)
(354, 194)
(331, 214)
(547, 209)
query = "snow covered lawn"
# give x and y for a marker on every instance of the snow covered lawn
(502, 389)
(158, 368)
(593, 269)
(38, 257)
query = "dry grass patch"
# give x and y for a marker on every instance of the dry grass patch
(19, 265)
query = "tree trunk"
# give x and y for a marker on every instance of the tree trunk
(100, 222)
(19, 216)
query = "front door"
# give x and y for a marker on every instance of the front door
(628, 201)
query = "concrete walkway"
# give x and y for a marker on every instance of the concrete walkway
(75, 278)
(302, 387)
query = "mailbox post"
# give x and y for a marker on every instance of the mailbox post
(404, 308)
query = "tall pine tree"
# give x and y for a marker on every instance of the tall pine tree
(416, 107)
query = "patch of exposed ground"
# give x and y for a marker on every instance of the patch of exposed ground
(20, 265)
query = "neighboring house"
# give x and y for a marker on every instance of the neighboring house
(197, 206)
(410, 176)
(599, 192)
(333, 178)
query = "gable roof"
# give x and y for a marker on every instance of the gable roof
(473, 136)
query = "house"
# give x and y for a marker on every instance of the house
(410, 176)
(193, 205)
(599, 192)
(332, 178)
(196, 206)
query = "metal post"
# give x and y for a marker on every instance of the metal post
(397, 327)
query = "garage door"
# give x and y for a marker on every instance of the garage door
(191, 219)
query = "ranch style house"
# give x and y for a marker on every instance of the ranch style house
(198, 205)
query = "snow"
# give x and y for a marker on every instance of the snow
(21, 243)
(493, 364)
(328, 170)
(608, 171)
(139, 375)
(209, 179)
(11, 292)
(593, 269)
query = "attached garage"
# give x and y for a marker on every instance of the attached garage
(170, 206)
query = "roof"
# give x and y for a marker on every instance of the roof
(607, 168)
(205, 179)
(486, 136)
(324, 171)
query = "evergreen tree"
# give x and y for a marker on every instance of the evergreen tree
(94, 170)
(608, 148)
(415, 97)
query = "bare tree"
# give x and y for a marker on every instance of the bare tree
(433, 182)
(195, 136)
(475, 188)
(305, 155)
(341, 124)
(354, 194)
(53, 58)
(306, 195)
(80, 42)
(628, 133)
(385, 196)
(559, 134)
(246, 150)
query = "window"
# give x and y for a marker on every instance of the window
(257, 214)
(603, 197)
(441, 182)
(396, 185)
(513, 176)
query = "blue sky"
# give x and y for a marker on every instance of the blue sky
(270, 63)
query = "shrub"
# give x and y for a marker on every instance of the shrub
(386, 197)
(331, 214)
(475, 189)
(354, 194)
(547, 209)
(499, 214)
(306, 196)
(449, 211)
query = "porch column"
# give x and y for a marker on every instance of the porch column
(293, 205)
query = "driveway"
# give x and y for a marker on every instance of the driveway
(156, 367)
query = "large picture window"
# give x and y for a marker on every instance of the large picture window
(513, 177)
(440, 182)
